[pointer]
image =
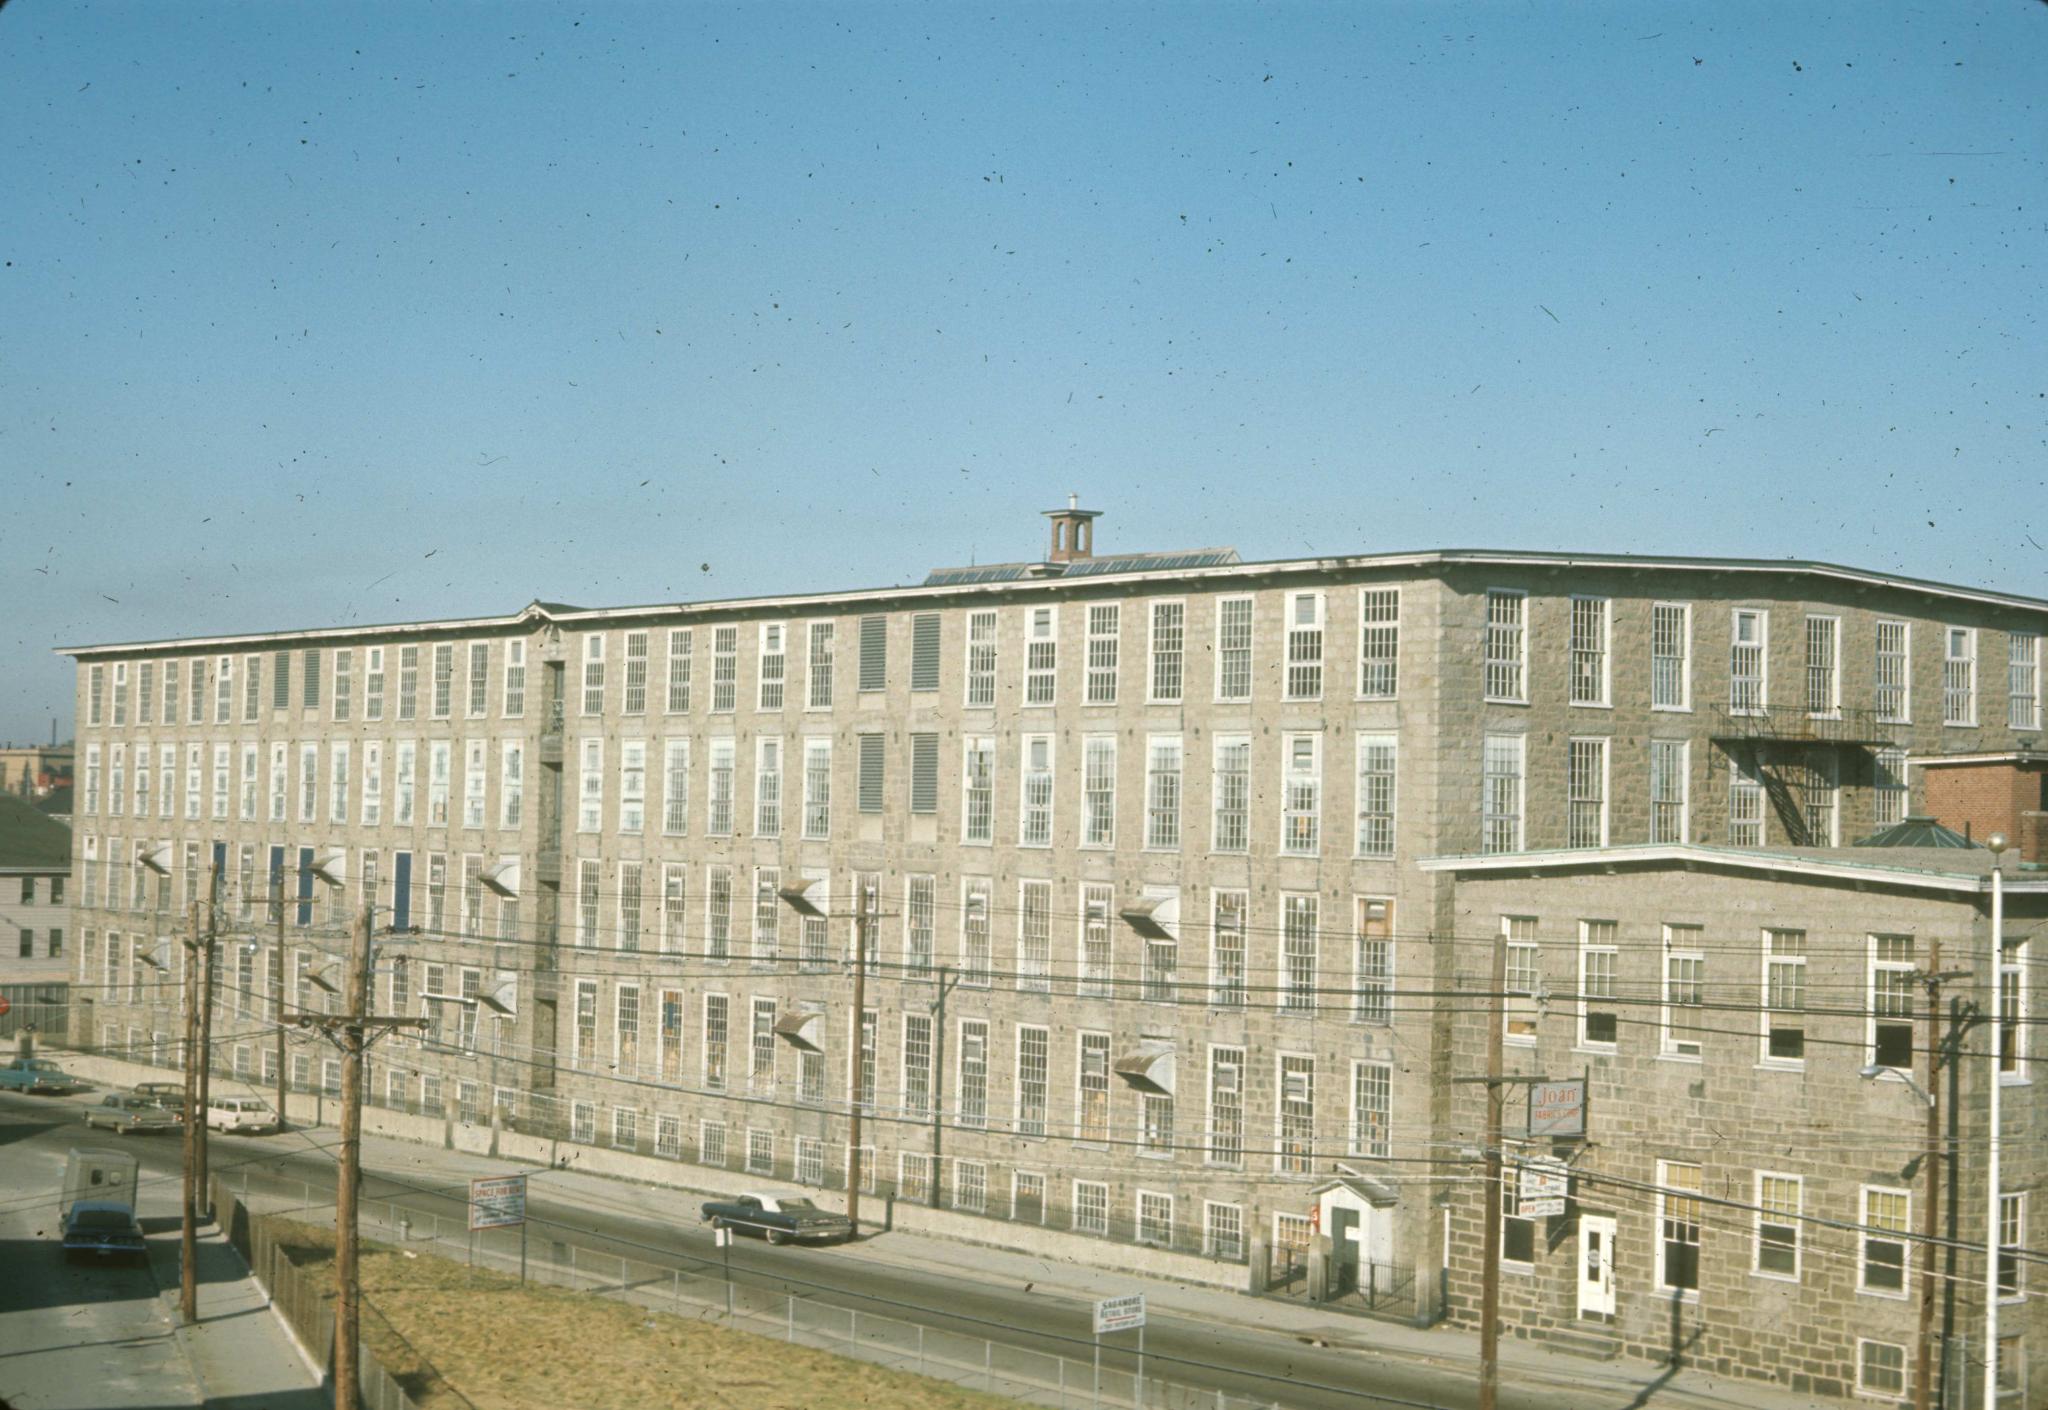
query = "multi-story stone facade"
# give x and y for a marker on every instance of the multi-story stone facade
(1152, 957)
(1755, 1031)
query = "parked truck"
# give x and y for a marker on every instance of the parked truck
(97, 1208)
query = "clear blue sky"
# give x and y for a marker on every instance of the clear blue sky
(373, 312)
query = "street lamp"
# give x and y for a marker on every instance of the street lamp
(1996, 843)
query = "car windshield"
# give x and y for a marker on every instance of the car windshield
(100, 1219)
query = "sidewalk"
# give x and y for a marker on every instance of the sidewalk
(240, 1353)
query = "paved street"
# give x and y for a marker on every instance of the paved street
(1303, 1357)
(104, 1336)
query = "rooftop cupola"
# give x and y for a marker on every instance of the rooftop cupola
(1073, 532)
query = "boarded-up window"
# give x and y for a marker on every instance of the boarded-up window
(871, 773)
(874, 652)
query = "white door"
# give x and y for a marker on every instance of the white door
(1596, 1265)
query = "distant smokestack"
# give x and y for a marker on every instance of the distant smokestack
(1073, 532)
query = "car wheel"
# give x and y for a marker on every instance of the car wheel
(717, 1222)
(776, 1236)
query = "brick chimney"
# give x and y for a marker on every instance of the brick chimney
(1073, 532)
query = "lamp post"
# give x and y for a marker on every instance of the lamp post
(1996, 843)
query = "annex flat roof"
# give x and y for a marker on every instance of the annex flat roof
(1426, 560)
(1968, 872)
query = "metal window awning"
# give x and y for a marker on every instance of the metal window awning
(802, 1030)
(811, 897)
(502, 876)
(1155, 917)
(1149, 1068)
(503, 1000)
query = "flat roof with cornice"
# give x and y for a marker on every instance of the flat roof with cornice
(1946, 870)
(1428, 560)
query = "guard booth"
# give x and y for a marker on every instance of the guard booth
(1356, 1214)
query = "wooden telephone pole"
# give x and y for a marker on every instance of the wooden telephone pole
(861, 921)
(353, 1032)
(188, 1239)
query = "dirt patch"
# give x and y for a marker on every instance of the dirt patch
(436, 1325)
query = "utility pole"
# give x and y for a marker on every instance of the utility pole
(1489, 1276)
(283, 1078)
(188, 1242)
(1923, 1368)
(860, 1033)
(352, 1032)
(206, 987)
(1995, 1005)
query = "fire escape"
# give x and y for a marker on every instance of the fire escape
(1769, 742)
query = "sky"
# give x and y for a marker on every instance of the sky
(312, 315)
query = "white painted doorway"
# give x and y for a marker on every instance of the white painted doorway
(1596, 1265)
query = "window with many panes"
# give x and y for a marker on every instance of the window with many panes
(1892, 977)
(1959, 676)
(1103, 624)
(1823, 665)
(1784, 1039)
(1372, 1109)
(1034, 936)
(681, 649)
(1033, 1049)
(1372, 961)
(1745, 803)
(1098, 791)
(1777, 1225)
(1506, 646)
(1679, 1218)
(1670, 764)
(1888, 785)
(1379, 643)
(725, 669)
(1501, 760)
(1091, 1114)
(1587, 651)
(818, 666)
(1094, 979)
(2012, 1242)
(718, 813)
(1670, 656)
(1376, 756)
(1304, 678)
(1748, 661)
(1227, 948)
(1880, 1368)
(2023, 680)
(1091, 1207)
(1599, 955)
(1041, 655)
(1162, 792)
(1297, 1115)
(981, 659)
(1226, 1106)
(767, 786)
(978, 774)
(1524, 979)
(1298, 953)
(1881, 1261)
(1230, 794)
(1034, 825)
(1234, 648)
(1169, 651)
(973, 1075)
(1586, 793)
(774, 666)
(975, 954)
(1301, 794)
(1684, 995)
(1893, 683)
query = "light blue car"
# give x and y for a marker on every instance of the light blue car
(38, 1075)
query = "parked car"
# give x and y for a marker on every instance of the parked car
(38, 1075)
(778, 1218)
(104, 1228)
(240, 1114)
(123, 1112)
(168, 1095)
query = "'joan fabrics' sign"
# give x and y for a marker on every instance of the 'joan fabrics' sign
(1557, 1108)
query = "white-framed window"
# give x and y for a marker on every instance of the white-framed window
(917, 1064)
(632, 786)
(444, 679)
(970, 1186)
(1670, 773)
(309, 784)
(668, 1136)
(1881, 1255)
(1091, 1207)
(223, 694)
(1892, 693)
(1586, 793)
(972, 1077)
(2012, 1241)
(978, 790)
(196, 699)
(512, 700)
(1591, 620)
(1599, 957)
(981, 659)
(1376, 769)
(590, 785)
(1777, 1225)
(1104, 624)
(1233, 648)
(774, 666)
(717, 1039)
(1299, 952)
(817, 788)
(1230, 794)
(975, 954)
(479, 677)
(1819, 786)
(1379, 643)
(1670, 656)
(1034, 1046)
(767, 914)
(511, 783)
(1223, 1231)
(589, 902)
(1888, 786)
(1041, 655)
(625, 1020)
(1749, 660)
(718, 820)
(373, 683)
(1372, 960)
(767, 786)
(681, 645)
(1524, 979)
(920, 913)
(1034, 936)
(1745, 803)
(1295, 1150)
(1501, 767)
(711, 1144)
(1823, 666)
(1892, 977)
(404, 784)
(1169, 652)
(634, 700)
(1304, 679)
(593, 673)
(1372, 1109)
(440, 779)
(1959, 676)
(1880, 1368)
(1091, 1088)
(675, 787)
(1098, 790)
(1784, 1035)
(1679, 1219)
(343, 689)
(2023, 680)
(1034, 823)
(725, 669)
(1226, 1107)
(1684, 991)
(339, 772)
(1301, 794)
(718, 913)
(1162, 792)
(1507, 646)
(2015, 1007)
(1155, 1218)
(1227, 947)
(818, 668)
